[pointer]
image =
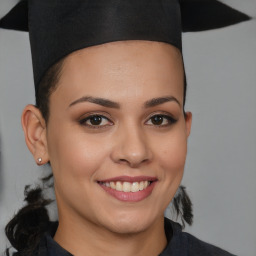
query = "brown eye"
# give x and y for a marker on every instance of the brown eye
(161, 120)
(95, 121)
(157, 120)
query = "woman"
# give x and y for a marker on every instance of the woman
(110, 120)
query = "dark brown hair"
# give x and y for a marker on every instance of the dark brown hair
(30, 222)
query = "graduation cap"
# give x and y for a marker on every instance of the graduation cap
(58, 27)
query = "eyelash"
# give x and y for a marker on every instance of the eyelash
(83, 122)
(169, 119)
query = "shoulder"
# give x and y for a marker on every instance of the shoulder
(183, 243)
(199, 247)
(47, 246)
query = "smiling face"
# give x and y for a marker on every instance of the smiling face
(117, 135)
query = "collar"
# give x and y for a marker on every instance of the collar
(49, 247)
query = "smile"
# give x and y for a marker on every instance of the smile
(127, 186)
(129, 189)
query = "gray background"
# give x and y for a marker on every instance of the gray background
(220, 171)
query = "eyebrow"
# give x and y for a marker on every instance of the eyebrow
(111, 104)
(100, 101)
(157, 101)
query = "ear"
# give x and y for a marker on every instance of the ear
(34, 128)
(188, 120)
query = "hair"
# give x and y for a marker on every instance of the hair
(26, 228)
(46, 87)
(28, 225)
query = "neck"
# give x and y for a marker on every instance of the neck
(89, 239)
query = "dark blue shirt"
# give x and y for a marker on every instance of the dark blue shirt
(179, 244)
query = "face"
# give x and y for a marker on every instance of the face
(117, 134)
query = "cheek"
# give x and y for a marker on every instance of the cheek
(75, 154)
(172, 154)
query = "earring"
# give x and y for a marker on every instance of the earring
(39, 160)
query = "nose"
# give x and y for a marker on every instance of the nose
(131, 147)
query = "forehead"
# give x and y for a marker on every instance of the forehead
(126, 66)
(122, 50)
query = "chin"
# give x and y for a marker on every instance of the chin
(130, 223)
(122, 227)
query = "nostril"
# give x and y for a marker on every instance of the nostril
(123, 160)
(133, 163)
(131, 152)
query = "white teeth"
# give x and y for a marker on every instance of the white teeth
(112, 185)
(135, 187)
(127, 186)
(119, 186)
(142, 185)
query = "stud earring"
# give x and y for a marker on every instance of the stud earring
(39, 160)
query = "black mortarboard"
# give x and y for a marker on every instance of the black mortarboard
(59, 27)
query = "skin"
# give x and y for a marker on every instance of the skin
(127, 142)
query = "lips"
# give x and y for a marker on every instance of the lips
(127, 188)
